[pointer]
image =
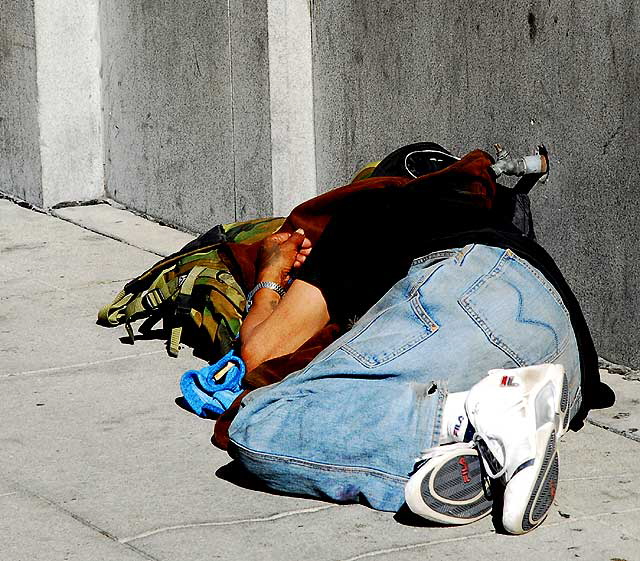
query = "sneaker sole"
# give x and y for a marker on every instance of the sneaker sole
(564, 404)
(541, 493)
(448, 489)
(543, 490)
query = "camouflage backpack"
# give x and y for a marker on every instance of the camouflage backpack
(192, 291)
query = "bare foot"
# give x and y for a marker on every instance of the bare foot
(279, 253)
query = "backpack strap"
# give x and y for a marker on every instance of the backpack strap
(129, 302)
(146, 302)
(152, 295)
(112, 314)
(183, 308)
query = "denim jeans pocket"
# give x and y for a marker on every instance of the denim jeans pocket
(391, 333)
(519, 311)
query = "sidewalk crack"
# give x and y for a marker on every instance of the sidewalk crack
(270, 518)
(85, 522)
(78, 365)
(108, 235)
(420, 545)
(631, 474)
(431, 543)
(624, 433)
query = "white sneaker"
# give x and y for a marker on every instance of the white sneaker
(448, 487)
(519, 415)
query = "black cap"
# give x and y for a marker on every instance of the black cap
(414, 160)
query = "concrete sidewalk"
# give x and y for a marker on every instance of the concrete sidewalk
(98, 463)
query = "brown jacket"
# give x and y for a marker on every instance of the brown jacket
(471, 173)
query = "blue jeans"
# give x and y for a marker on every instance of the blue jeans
(349, 426)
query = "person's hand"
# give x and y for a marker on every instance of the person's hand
(279, 254)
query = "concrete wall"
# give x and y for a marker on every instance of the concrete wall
(293, 154)
(19, 131)
(473, 73)
(186, 109)
(214, 111)
(69, 100)
(50, 122)
(193, 112)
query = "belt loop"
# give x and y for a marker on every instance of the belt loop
(460, 256)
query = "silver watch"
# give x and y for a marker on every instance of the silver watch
(264, 284)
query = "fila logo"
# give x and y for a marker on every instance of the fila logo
(464, 471)
(456, 427)
(508, 381)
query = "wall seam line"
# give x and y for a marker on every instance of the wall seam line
(36, 49)
(233, 112)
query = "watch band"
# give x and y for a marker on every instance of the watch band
(264, 284)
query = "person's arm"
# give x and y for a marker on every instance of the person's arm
(275, 327)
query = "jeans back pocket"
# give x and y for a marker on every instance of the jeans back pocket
(519, 311)
(391, 333)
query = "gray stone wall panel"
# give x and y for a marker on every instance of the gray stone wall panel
(20, 168)
(167, 110)
(169, 113)
(251, 119)
(473, 73)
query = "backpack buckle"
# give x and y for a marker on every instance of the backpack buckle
(152, 299)
(183, 306)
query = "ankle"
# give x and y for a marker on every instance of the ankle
(455, 422)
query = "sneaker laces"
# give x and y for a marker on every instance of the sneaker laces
(489, 462)
(493, 467)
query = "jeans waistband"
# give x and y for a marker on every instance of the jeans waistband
(435, 256)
